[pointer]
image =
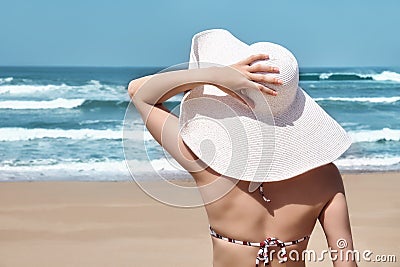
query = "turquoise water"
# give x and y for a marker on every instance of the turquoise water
(66, 123)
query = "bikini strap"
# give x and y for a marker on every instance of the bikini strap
(231, 240)
(263, 252)
(261, 189)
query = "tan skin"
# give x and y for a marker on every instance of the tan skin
(296, 203)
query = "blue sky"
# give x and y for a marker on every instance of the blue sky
(158, 33)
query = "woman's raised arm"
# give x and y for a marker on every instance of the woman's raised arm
(149, 92)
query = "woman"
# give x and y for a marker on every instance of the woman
(261, 226)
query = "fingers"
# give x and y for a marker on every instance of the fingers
(263, 68)
(255, 57)
(266, 90)
(262, 78)
(256, 73)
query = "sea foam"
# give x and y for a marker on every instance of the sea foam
(386, 75)
(24, 134)
(369, 163)
(93, 171)
(6, 80)
(51, 104)
(361, 99)
(384, 134)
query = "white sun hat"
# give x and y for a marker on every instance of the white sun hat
(281, 137)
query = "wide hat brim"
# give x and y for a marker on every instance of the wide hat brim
(253, 144)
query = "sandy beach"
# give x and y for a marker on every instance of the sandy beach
(117, 224)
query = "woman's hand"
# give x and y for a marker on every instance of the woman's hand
(257, 80)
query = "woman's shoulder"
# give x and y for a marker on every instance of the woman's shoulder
(327, 178)
(320, 184)
(330, 172)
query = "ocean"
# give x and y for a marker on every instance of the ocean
(65, 123)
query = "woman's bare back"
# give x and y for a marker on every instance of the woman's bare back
(296, 203)
(295, 206)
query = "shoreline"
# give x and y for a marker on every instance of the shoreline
(114, 223)
(174, 177)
